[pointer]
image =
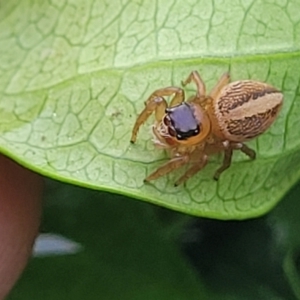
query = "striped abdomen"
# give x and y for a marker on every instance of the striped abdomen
(245, 109)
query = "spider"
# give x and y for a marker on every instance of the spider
(192, 130)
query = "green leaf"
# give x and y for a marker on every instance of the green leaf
(73, 78)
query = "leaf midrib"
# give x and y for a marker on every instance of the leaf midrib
(151, 64)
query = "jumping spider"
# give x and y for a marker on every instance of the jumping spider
(192, 130)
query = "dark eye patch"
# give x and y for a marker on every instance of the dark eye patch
(183, 121)
(185, 135)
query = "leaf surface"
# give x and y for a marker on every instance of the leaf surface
(73, 77)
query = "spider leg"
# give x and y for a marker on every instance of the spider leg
(223, 81)
(244, 148)
(196, 78)
(226, 163)
(156, 103)
(192, 170)
(168, 167)
(248, 151)
(228, 156)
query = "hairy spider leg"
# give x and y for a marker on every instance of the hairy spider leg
(228, 156)
(157, 103)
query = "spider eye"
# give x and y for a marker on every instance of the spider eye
(179, 136)
(172, 131)
(185, 135)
